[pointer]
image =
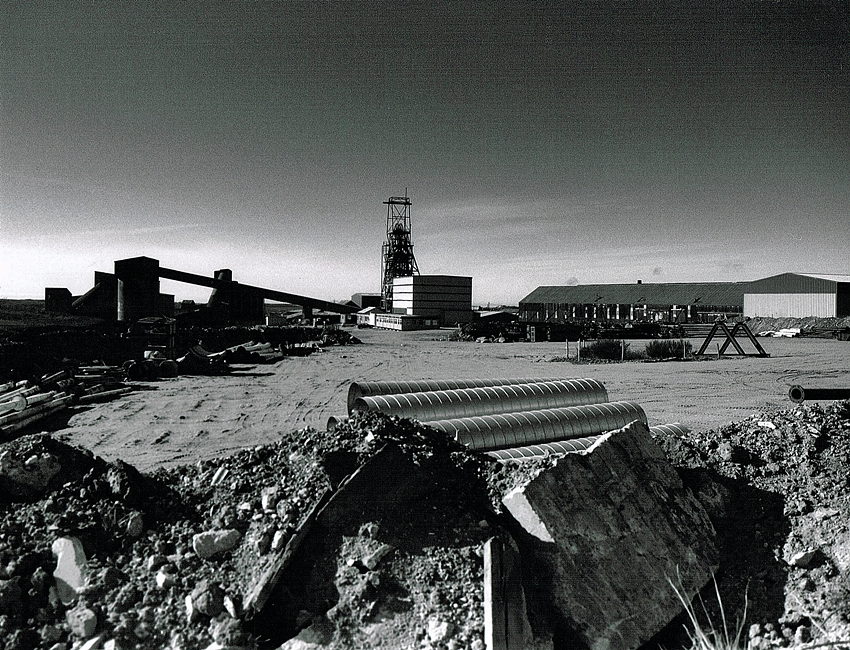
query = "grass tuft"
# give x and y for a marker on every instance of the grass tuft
(710, 637)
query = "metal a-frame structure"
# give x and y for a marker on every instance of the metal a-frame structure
(731, 338)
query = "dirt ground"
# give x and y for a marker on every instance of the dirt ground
(172, 422)
(771, 474)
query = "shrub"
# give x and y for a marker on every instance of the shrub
(609, 350)
(668, 349)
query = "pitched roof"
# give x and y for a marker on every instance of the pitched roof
(668, 293)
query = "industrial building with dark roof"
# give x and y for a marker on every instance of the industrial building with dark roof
(674, 302)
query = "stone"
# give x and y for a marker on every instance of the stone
(278, 540)
(155, 561)
(213, 542)
(134, 526)
(439, 631)
(269, 498)
(803, 559)
(317, 635)
(50, 633)
(208, 598)
(165, 580)
(71, 568)
(373, 559)
(82, 621)
(370, 530)
(95, 643)
(228, 632)
(11, 598)
(233, 606)
(30, 478)
(610, 530)
(193, 615)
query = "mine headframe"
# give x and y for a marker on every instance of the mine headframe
(397, 255)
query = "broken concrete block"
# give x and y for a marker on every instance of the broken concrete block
(506, 625)
(608, 529)
(71, 568)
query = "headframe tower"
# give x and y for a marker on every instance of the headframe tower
(398, 260)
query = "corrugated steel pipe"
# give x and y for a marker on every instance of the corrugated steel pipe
(467, 402)
(544, 449)
(571, 446)
(372, 388)
(672, 429)
(507, 430)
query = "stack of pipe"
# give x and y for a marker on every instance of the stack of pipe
(23, 403)
(507, 419)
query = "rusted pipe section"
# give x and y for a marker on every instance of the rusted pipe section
(508, 430)
(468, 402)
(799, 394)
(372, 388)
(571, 446)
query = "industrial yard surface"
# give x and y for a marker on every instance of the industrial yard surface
(395, 557)
(193, 418)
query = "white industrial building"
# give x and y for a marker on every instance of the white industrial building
(444, 297)
(793, 295)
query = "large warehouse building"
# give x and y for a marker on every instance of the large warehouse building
(675, 302)
(792, 295)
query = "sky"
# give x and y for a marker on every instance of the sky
(540, 143)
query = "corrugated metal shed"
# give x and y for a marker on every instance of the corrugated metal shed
(668, 293)
(799, 295)
(798, 283)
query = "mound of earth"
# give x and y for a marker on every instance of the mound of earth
(810, 326)
(152, 581)
(777, 488)
(175, 558)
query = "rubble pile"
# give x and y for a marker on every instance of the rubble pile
(374, 535)
(777, 488)
(169, 557)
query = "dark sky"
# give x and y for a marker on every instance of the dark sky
(540, 143)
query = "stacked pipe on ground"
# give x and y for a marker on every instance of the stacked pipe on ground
(429, 406)
(506, 418)
(507, 430)
(571, 446)
(373, 388)
(22, 404)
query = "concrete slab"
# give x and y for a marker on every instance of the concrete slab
(607, 529)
